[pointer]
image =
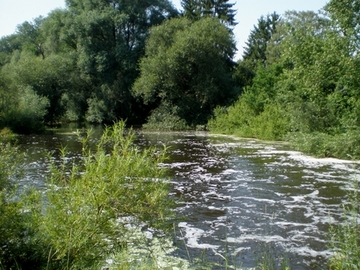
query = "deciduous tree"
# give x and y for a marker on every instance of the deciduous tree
(188, 65)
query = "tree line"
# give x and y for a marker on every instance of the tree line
(153, 66)
(300, 82)
(80, 63)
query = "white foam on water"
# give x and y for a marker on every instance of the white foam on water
(269, 201)
(193, 235)
(256, 237)
(263, 195)
(286, 156)
(177, 164)
(309, 252)
(229, 172)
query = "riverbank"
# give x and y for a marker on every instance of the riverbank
(238, 198)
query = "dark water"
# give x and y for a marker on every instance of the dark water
(239, 198)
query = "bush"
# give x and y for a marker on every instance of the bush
(26, 115)
(344, 145)
(89, 210)
(271, 124)
(19, 248)
(240, 119)
(233, 120)
(165, 118)
(88, 214)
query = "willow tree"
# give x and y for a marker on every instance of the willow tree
(106, 38)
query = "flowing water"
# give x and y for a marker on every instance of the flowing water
(238, 199)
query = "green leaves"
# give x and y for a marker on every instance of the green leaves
(188, 65)
(109, 41)
(89, 214)
(221, 9)
(258, 40)
(305, 82)
(346, 15)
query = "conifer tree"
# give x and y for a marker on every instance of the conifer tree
(255, 50)
(221, 9)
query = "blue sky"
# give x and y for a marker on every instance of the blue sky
(14, 12)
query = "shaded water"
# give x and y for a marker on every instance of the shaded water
(237, 197)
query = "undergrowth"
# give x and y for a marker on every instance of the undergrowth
(345, 238)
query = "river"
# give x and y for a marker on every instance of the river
(240, 198)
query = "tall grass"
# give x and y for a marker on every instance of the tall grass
(345, 238)
(344, 145)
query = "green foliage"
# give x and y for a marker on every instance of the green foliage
(47, 77)
(305, 85)
(271, 124)
(108, 38)
(258, 40)
(241, 120)
(29, 34)
(345, 145)
(84, 58)
(230, 120)
(255, 114)
(242, 75)
(194, 79)
(23, 113)
(18, 246)
(6, 135)
(88, 214)
(166, 118)
(9, 162)
(28, 116)
(345, 239)
(263, 90)
(8, 45)
(91, 210)
(97, 111)
(345, 16)
(221, 9)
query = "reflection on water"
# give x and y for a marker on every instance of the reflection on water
(237, 197)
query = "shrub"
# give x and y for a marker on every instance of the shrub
(90, 208)
(271, 124)
(165, 118)
(19, 248)
(232, 120)
(27, 114)
(345, 145)
(240, 119)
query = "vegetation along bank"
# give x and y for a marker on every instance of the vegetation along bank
(144, 61)
(104, 61)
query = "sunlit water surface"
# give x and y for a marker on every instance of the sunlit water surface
(239, 199)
